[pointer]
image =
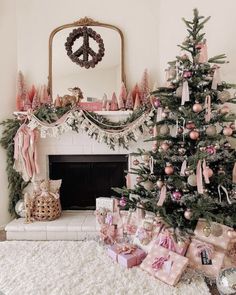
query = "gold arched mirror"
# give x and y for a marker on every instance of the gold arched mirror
(96, 71)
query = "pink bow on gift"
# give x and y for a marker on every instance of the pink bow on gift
(159, 262)
(126, 249)
(167, 242)
(130, 229)
(200, 247)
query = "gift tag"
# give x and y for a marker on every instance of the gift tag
(205, 258)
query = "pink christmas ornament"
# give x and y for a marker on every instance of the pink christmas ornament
(123, 202)
(176, 195)
(156, 102)
(227, 131)
(211, 150)
(187, 74)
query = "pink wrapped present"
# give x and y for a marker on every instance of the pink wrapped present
(166, 240)
(218, 234)
(205, 257)
(165, 265)
(126, 255)
(108, 233)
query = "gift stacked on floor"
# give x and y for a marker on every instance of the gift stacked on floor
(147, 232)
(208, 250)
(165, 264)
(126, 255)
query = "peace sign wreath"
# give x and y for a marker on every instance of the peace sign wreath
(85, 50)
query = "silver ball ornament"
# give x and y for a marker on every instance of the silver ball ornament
(188, 214)
(226, 281)
(20, 208)
(164, 130)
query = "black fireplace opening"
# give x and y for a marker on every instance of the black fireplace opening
(87, 177)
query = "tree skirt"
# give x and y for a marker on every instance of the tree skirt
(74, 268)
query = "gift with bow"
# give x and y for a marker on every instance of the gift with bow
(127, 255)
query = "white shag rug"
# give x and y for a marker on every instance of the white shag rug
(74, 268)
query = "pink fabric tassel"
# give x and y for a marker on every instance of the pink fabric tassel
(203, 57)
(185, 93)
(205, 172)
(234, 173)
(199, 178)
(162, 196)
(183, 168)
(216, 78)
(208, 108)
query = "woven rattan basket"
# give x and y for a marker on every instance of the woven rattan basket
(46, 208)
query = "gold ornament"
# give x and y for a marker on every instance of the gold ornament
(207, 231)
(192, 180)
(211, 131)
(145, 157)
(224, 95)
(148, 185)
(164, 130)
(216, 230)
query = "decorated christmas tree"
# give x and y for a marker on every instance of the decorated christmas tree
(190, 173)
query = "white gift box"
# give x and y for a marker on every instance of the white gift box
(107, 203)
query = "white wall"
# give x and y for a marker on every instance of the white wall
(8, 62)
(152, 30)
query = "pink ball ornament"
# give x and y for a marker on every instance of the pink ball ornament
(187, 74)
(123, 202)
(227, 131)
(197, 107)
(194, 134)
(169, 169)
(156, 103)
(177, 195)
(209, 172)
(211, 150)
(135, 162)
(232, 126)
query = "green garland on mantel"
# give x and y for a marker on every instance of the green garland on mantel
(50, 115)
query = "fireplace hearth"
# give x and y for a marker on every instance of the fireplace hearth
(87, 177)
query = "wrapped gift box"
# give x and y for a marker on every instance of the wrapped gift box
(218, 236)
(205, 257)
(107, 203)
(166, 240)
(126, 255)
(146, 236)
(164, 264)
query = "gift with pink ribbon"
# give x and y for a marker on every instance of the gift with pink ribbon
(166, 240)
(108, 233)
(205, 257)
(164, 264)
(127, 255)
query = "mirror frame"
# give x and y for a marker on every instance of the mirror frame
(83, 22)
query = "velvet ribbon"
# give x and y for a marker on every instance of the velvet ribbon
(199, 178)
(200, 247)
(221, 187)
(205, 172)
(162, 196)
(234, 173)
(183, 168)
(216, 78)
(167, 242)
(208, 108)
(185, 93)
(159, 262)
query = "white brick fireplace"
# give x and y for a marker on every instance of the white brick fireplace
(72, 225)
